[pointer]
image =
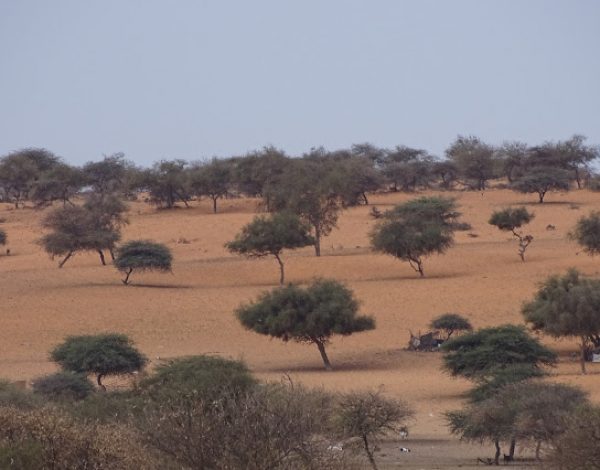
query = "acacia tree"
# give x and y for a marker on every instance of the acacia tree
(540, 180)
(474, 160)
(587, 233)
(527, 411)
(416, 229)
(480, 354)
(450, 323)
(212, 179)
(266, 236)
(512, 219)
(168, 182)
(74, 229)
(567, 305)
(307, 315)
(579, 445)
(60, 183)
(309, 189)
(102, 355)
(142, 255)
(369, 416)
(20, 170)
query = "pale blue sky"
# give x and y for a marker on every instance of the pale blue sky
(193, 79)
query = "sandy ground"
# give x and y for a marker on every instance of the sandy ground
(191, 311)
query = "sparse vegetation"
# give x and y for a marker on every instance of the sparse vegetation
(511, 220)
(266, 236)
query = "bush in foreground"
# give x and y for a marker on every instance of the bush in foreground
(143, 255)
(63, 385)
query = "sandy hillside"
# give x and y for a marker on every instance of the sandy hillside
(190, 312)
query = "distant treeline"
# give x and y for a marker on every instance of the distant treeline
(343, 176)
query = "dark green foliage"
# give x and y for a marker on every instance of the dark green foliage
(567, 305)
(142, 255)
(206, 377)
(310, 315)
(451, 322)
(587, 233)
(258, 173)
(473, 159)
(117, 406)
(270, 235)
(75, 228)
(510, 219)
(579, 446)
(540, 180)
(212, 179)
(104, 354)
(416, 229)
(63, 385)
(369, 416)
(480, 354)
(356, 177)
(3, 237)
(489, 385)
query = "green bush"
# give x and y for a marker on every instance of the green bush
(63, 385)
(11, 395)
(205, 376)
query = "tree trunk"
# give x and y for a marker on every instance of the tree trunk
(317, 242)
(126, 280)
(99, 380)
(281, 271)
(511, 452)
(537, 450)
(497, 456)
(214, 204)
(583, 353)
(102, 257)
(321, 347)
(369, 452)
(364, 195)
(62, 263)
(417, 265)
(541, 195)
(112, 253)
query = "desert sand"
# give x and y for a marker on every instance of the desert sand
(191, 311)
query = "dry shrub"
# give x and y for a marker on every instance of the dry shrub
(52, 440)
(266, 427)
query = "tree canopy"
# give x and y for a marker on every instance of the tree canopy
(416, 229)
(450, 323)
(587, 233)
(142, 255)
(511, 219)
(542, 179)
(311, 315)
(567, 305)
(104, 354)
(480, 354)
(270, 235)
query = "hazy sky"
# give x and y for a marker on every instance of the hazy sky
(194, 79)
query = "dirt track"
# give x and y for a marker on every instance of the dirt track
(190, 312)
